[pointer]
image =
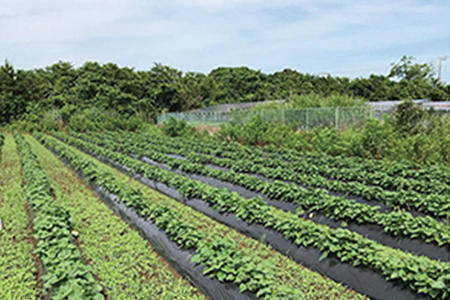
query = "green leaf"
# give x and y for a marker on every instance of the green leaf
(323, 256)
(438, 284)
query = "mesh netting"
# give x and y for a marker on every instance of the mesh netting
(341, 117)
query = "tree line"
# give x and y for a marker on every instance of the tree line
(25, 94)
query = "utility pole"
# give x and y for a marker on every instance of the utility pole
(440, 59)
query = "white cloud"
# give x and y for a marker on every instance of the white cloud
(311, 36)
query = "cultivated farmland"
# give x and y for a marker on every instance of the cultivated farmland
(137, 216)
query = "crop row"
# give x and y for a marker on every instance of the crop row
(379, 179)
(229, 266)
(430, 179)
(307, 165)
(339, 208)
(128, 267)
(66, 274)
(314, 285)
(420, 273)
(433, 204)
(398, 169)
(405, 169)
(18, 275)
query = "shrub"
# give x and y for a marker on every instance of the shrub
(173, 128)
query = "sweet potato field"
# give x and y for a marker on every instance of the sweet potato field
(137, 216)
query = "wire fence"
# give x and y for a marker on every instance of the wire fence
(340, 117)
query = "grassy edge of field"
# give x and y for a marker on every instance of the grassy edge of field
(314, 285)
(125, 263)
(17, 266)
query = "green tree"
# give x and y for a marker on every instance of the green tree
(405, 69)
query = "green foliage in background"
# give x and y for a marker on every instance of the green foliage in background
(413, 134)
(61, 95)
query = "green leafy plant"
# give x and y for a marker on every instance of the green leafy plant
(335, 207)
(66, 275)
(17, 265)
(173, 127)
(166, 218)
(342, 243)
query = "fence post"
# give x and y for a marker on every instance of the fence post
(336, 117)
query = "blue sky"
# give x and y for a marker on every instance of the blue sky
(346, 38)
